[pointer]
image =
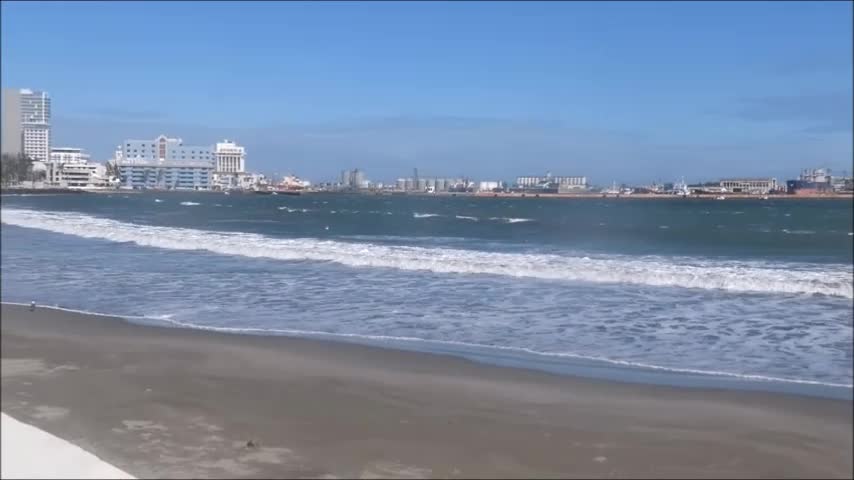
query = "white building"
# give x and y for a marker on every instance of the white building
(70, 167)
(488, 186)
(230, 157)
(34, 123)
(68, 155)
(566, 182)
(755, 186)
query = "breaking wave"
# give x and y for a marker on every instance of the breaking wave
(834, 280)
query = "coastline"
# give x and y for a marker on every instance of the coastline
(178, 402)
(570, 196)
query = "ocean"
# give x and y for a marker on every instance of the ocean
(742, 293)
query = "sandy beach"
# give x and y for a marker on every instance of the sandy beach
(161, 402)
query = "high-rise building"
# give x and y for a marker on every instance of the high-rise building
(35, 124)
(230, 157)
(11, 118)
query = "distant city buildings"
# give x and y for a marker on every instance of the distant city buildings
(819, 181)
(432, 184)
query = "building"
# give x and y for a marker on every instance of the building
(70, 168)
(801, 187)
(754, 186)
(11, 118)
(230, 157)
(165, 163)
(26, 123)
(488, 186)
(815, 175)
(35, 124)
(68, 155)
(165, 149)
(78, 175)
(353, 179)
(552, 182)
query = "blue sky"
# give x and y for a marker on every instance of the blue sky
(625, 91)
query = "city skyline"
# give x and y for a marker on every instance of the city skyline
(604, 91)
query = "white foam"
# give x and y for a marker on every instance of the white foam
(735, 276)
(425, 215)
(511, 220)
(157, 200)
(189, 204)
(464, 217)
(294, 210)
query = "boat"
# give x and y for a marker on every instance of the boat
(764, 197)
(720, 197)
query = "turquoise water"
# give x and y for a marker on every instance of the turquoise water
(734, 293)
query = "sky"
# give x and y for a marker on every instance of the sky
(617, 91)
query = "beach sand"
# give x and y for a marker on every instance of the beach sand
(162, 402)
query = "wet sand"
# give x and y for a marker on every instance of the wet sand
(162, 402)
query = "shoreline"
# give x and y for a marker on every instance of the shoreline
(179, 402)
(573, 367)
(570, 196)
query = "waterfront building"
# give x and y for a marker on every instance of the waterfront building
(230, 157)
(353, 179)
(815, 175)
(552, 182)
(165, 163)
(70, 168)
(488, 186)
(401, 184)
(754, 186)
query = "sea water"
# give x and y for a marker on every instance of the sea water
(751, 294)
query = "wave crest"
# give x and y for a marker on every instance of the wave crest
(834, 280)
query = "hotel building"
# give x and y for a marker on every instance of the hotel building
(165, 163)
